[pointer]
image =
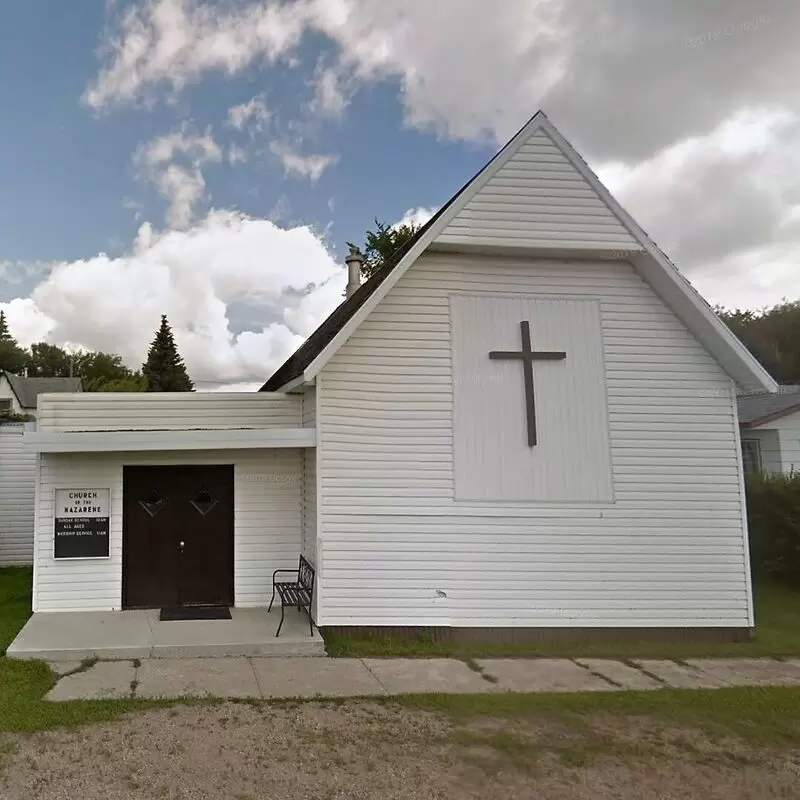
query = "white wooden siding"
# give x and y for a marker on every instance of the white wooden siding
(310, 475)
(789, 433)
(143, 411)
(492, 459)
(538, 199)
(267, 533)
(17, 485)
(780, 443)
(7, 393)
(310, 481)
(398, 549)
(769, 447)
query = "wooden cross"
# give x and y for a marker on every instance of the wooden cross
(528, 356)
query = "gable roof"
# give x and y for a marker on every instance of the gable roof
(296, 364)
(758, 409)
(27, 390)
(650, 262)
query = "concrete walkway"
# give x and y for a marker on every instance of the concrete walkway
(352, 677)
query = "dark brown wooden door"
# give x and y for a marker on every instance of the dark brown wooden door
(177, 544)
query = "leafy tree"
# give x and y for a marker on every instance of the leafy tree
(99, 369)
(164, 369)
(772, 335)
(382, 243)
(49, 361)
(12, 356)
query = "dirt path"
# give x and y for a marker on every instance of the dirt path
(370, 750)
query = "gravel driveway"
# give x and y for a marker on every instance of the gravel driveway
(239, 751)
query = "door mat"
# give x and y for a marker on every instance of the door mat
(178, 613)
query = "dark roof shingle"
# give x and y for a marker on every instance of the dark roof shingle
(302, 358)
(298, 362)
(758, 408)
(28, 389)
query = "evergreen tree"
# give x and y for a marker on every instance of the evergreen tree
(164, 369)
(12, 357)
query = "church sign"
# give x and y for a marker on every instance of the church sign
(81, 523)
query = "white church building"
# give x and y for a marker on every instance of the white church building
(525, 423)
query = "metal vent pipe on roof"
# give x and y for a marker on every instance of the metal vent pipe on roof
(354, 261)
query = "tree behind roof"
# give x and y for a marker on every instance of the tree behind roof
(772, 335)
(381, 244)
(50, 361)
(12, 357)
(164, 369)
(98, 371)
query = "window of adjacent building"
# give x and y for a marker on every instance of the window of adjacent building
(751, 456)
(5, 404)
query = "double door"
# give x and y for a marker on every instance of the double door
(177, 540)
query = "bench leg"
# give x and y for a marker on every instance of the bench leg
(310, 624)
(271, 601)
(278, 632)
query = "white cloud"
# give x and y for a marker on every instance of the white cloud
(173, 42)
(517, 54)
(183, 141)
(20, 272)
(26, 323)
(195, 277)
(723, 205)
(582, 61)
(236, 155)
(254, 112)
(280, 211)
(182, 184)
(416, 216)
(330, 96)
(135, 206)
(306, 166)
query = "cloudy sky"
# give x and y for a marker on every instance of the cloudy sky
(209, 160)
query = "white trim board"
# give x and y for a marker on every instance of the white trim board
(654, 267)
(119, 441)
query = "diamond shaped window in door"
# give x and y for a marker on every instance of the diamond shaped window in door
(204, 501)
(153, 502)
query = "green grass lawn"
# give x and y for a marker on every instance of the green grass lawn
(23, 684)
(763, 717)
(777, 634)
(15, 602)
(753, 713)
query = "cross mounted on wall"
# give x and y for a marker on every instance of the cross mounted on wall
(528, 356)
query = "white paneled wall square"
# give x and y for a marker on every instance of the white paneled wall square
(571, 460)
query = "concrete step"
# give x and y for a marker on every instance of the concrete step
(124, 635)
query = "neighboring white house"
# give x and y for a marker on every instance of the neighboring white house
(18, 394)
(525, 422)
(17, 488)
(771, 431)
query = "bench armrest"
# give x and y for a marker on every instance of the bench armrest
(277, 571)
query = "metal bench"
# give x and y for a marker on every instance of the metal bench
(295, 594)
